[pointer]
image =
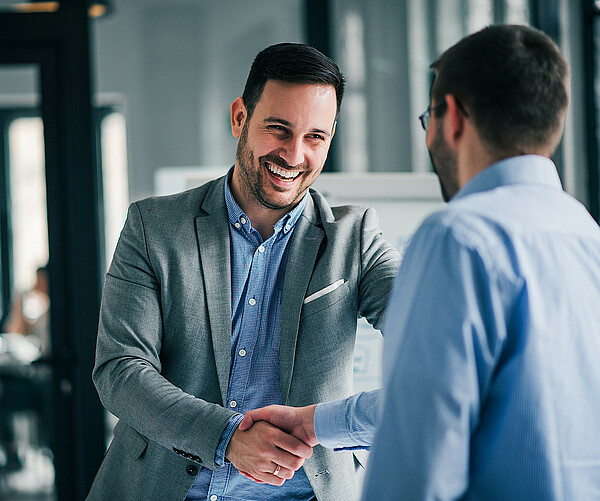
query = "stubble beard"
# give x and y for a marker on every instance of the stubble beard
(444, 165)
(252, 177)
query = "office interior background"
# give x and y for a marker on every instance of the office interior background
(103, 103)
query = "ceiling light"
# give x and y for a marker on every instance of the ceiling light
(97, 8)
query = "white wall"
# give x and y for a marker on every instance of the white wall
(176, 66)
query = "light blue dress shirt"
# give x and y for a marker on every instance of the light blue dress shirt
(350, 423)
(492, 348)
(258, 272)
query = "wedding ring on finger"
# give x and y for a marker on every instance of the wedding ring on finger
(277, 468)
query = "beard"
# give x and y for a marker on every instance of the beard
(252, 175)
(444, 163)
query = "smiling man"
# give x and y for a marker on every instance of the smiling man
(239, 294)
(282, 150)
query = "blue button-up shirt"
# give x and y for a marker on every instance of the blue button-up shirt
(258, 272)
(492, 348)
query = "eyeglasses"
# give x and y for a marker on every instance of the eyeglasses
(425, 117)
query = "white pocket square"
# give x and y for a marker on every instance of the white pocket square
(326, 290)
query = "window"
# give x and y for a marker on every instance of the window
(385, 48)
(113, 150)
(26, 238)
(28, 199)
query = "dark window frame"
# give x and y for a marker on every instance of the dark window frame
(8, 115)
(59, 44)
(591, 16)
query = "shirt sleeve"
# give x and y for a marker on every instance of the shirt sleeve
(444, 328)
(350, 423)
(226, 437)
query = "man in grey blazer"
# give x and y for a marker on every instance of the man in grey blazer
(238, 294)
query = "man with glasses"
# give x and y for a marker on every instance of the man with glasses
(491, 373)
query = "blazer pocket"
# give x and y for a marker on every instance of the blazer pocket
(325, 290)
(325, 297)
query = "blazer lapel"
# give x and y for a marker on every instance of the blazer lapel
(301, 262)
(212, 231)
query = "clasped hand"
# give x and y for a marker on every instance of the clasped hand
(270, 437)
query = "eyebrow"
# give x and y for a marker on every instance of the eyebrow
(285, 122)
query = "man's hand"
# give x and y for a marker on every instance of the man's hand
(297, 421)
(259, 451)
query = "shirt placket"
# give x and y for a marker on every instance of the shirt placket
(242, 362)
(266, 260)
(250, 327)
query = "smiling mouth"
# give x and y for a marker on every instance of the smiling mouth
(286, 175)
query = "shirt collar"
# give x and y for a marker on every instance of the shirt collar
(237, 215)
(528, 169)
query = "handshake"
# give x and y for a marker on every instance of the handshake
(271, 443)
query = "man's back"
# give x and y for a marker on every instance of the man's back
(543, 396)
(492, 374)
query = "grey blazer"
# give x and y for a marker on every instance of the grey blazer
(164, 339)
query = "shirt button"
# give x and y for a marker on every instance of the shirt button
(191, 470)
(237, 225)
(214, 497)
(243, 220)
(252, 301)
(233, 404)
(242, 353)
(261, 248)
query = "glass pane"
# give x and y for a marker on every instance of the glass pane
(113, 142)
(517, 12)
(480, 13)
(26, 410)
(385, 47)
(28, 197)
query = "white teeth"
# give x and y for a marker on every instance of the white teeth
(281, 172)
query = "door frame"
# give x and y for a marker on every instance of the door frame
(58, 43)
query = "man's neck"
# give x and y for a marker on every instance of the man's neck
(473, 157)
(263, 220)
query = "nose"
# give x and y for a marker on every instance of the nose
(293, 151)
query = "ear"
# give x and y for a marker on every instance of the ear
(456, 119)
(238, 116)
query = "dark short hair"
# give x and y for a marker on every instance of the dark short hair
(513, 82)
(295, 63)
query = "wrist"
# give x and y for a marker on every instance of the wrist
(222, 452)
(310, 425)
